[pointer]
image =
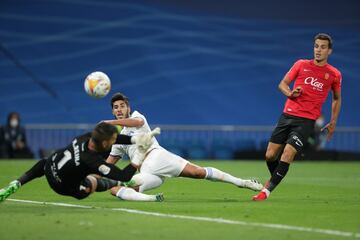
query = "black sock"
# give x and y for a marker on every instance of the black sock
(36, 171)
(272, 165)
(278, 175)
(104, 184)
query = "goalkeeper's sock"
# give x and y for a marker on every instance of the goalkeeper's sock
(131, 195)
(35, 171)
(214, 174)
(104, 184)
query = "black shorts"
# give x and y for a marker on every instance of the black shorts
(76, 190)
(293, 130)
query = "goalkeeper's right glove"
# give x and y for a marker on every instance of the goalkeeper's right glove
(145, 140)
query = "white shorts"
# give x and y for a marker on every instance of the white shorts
(163, 163)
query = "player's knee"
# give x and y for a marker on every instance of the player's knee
(273, 150)
(270, 155)
(114, 190)
(138, 179)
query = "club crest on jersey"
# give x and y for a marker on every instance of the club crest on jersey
(327, 76)
(314, 82)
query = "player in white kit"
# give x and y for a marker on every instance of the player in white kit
(159, 163)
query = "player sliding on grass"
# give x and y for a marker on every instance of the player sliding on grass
(313, 81)
(70, 171)
(159, 163)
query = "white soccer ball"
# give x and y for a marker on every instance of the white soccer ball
(97, 84)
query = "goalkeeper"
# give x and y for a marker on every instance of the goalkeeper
(79, 169)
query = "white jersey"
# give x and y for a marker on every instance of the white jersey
(159, 161)
(120, 150)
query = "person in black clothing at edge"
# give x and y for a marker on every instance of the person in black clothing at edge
(14, 138)
(80, 168)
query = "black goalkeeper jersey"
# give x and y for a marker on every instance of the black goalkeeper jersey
(70, 165)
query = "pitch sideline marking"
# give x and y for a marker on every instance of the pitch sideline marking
(204, 219)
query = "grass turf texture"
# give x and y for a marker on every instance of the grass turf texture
(324, 195)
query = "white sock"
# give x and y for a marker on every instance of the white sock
(267, 192)
(132, 195)
(147, 181)
(217, 175)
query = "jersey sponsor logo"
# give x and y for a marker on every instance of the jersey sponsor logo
(104, 169)
(298, 141)
(314, 82)
(307, 70)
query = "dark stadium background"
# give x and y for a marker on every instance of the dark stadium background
(180, 62)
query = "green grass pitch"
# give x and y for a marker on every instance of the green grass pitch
(315, 196)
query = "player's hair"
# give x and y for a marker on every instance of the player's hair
(119, 96)
(324, 36)
(102, 132)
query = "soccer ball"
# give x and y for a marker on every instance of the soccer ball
(97, 84)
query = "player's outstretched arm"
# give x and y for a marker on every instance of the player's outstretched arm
(113, 172)
(143, 141)
(127, 140)
(127, 122)
(112, 159)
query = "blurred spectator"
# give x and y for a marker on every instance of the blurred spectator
(320, 136)
(318, 140)
(15, 138)
(3, 148)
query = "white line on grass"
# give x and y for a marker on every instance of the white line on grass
(204, 219)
